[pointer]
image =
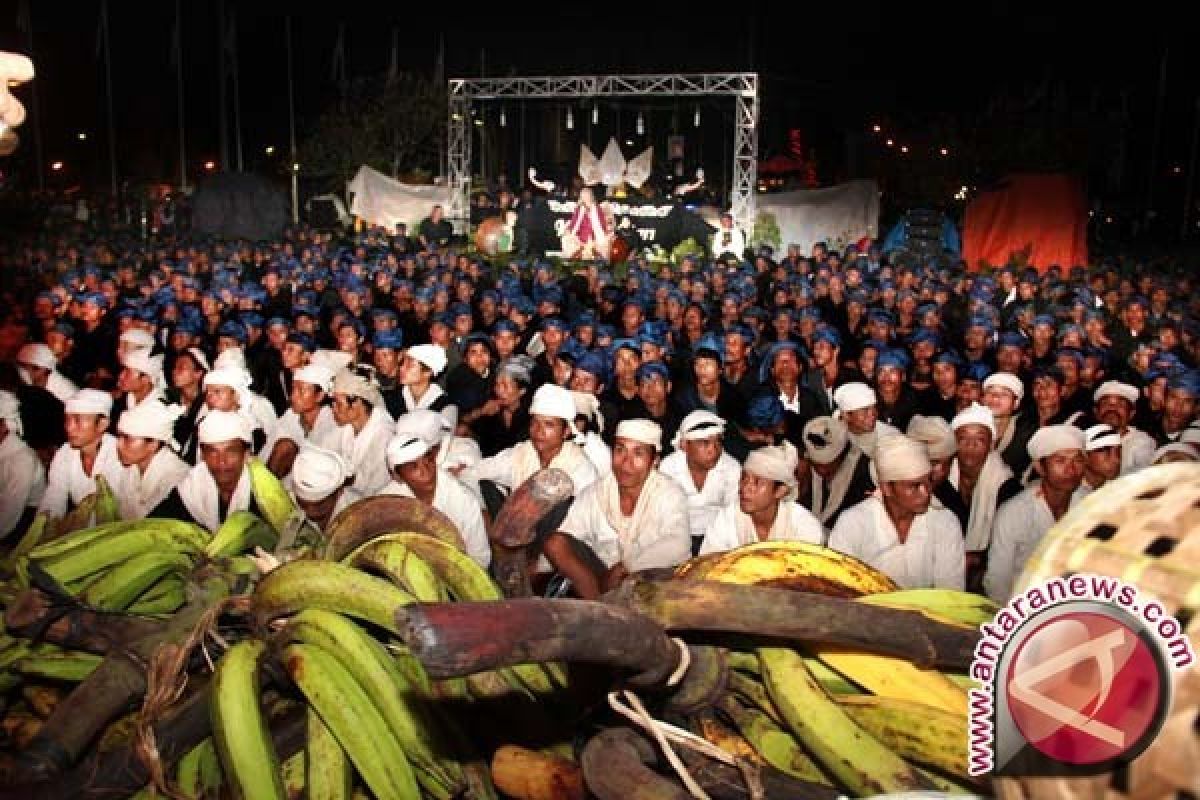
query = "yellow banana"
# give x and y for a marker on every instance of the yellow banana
(890, 676)
(327, 773)
(776, 746)
(407, 715)
(792, 565)
(122, 584)
(240, 533)
(857, 760)
(270, 495)
(307, 583)
(920, 733)
(106, 503)
(356, 723)
(248, 759)
(198, 773)
(964, 608)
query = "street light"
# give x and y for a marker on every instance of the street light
(944, 151)
(270, 150)
(57, 166)
(82, 136)
(209, 166)
(877, 128)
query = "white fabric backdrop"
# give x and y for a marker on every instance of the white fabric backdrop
(838, 215)
(382, 201)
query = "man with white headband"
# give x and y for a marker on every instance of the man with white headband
(1002, 394)
(632, 519)
(140, 380)
(840, 473)
(1102, 457)
(309, 419)
(421, 365)
(38, 367)
(706, 473)
(22, 476)
(415, 473)
(227, 388)
(132, 340)
(1115, 404)
(366, 428)
(940, 447)
(1057, 455)
(897, 531)
(320, 484)
(219, 484)
(151, 469)
(766, 507)
(983, 481)
(90, 451)
(857, 406)
(551, 430)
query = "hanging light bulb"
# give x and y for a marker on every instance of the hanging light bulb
(641, 124)
(595, 115)
(570, 120)
(503, 119)
(696, 118)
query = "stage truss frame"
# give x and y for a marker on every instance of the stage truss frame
(742, 86)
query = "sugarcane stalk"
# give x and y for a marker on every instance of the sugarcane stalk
(680, 605)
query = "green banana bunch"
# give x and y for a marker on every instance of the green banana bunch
(106, 509)
(65, 665)
(307, 583)
(327, 774)
(776, 746)
(241, 533)
(965, 608)
(270, 495)
(28, 541)
(248, 759)
(198, 773)
(406, 569)
(103, 553)
(857, 760)
(123, 584)
(343, 705)
(920, 733)
(406, 714)
(164, 597)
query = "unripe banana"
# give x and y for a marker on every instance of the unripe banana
(920, 733)
(106, 503)
(198, 773)
(110, 551)
(327, 772)
(269, 493)
(248, 757)
(122, 584)
(73, 667)
(164, 597)
(307, 583)
(240, 533)
(964, 608)
(405, 568)
(776, 746)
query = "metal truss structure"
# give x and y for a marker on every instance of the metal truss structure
(742, 86)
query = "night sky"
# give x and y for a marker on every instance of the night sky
(827, 68)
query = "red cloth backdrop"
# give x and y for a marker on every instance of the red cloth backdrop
(1045, 216)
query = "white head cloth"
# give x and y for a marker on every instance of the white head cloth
(10, 412)
(588, 405)
(697, 425)
(854, 397)
(405, 448)
(901, 458)
(138, 338)
(553, 401)
(1054, 438)
(975, 414)
(39, 355)
(429, 425)
(431, 355)
(824, 439)
(141, 361)
(233, 357)
(641, 430)
(315, 375)
(1005, 380)
(336, 360)
(225, 426)
(1117, 388)
(317, 473)
(775, 463)
(150, 420)
(90, 401)
(355, 385)
(935, 433)
(1101, 436)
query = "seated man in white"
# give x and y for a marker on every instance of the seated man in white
(766, 508)
(151, 469)
(1058, 460)
(22, 476)
(706, 473)
(857, 406)
(897, 531)
(634, 518)
(309, 419)
(90, 450)
(320, 484)
(415, 473)
(366, 429)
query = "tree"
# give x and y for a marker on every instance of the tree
(393, 126)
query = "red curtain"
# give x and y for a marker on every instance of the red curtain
(1038, 219)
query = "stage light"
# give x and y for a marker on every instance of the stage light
(82, 136)
(56, 166)
(479, 123)
(890, 143)
(503, 119)
(295, 167)
(944, 151)
(210, 165)
(270, 150)
(595, 115)
(877, 128)
(696, 118)
(570, 120)
(641, 125)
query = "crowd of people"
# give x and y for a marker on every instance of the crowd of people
(932, 421)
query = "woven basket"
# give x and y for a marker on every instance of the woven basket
(1144, 529)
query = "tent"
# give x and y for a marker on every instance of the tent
(838, 215)
(380, 200)
(1040, 218)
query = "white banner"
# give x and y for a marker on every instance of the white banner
(838, 215)
(379, 200)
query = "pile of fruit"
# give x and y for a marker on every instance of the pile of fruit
(151, 658)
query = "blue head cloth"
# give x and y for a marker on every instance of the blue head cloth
(1139, 300)
(64, 329)
(710, 344)
(829, 335)
(650, 334)
(738, 329)
(764, 411)
(303, 311)
(423, 295)
(980, 321)
(1187, 381)
(653, 369)
(385, 314)
(548, 294)
(593, 363)
(876, 345)
(51, 296)
(505, 326)
(634, 300)
(768, 362)
(304, 340)
(975, 371)
(127, 312)
(251, 319)
(585, 320)
(490, 294)
(557, 323)
(882, 316)
(809, 313)
(922, 335)
(95, 298)
(234, 330)
(894, 358)
(460, 310)
(388, 340)
(443, 318)
(625, 344)
(949, 357)
(189, 326)
(610, 294)
(676, 296)
(1012, 339)
(1070, 328)
(1045, 319)
(523, 305)
(273, 321)
(605, 331)
(857, 296)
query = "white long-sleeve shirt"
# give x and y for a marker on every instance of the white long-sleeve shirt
(455, 501)
(1020, 525)
(719, 490)
(731, 528)
(933, 555)
(659, 538)
(22, 481)
(1137, 450)
(366, 452)
(138, 494)
(325, 431)
(66, 482)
